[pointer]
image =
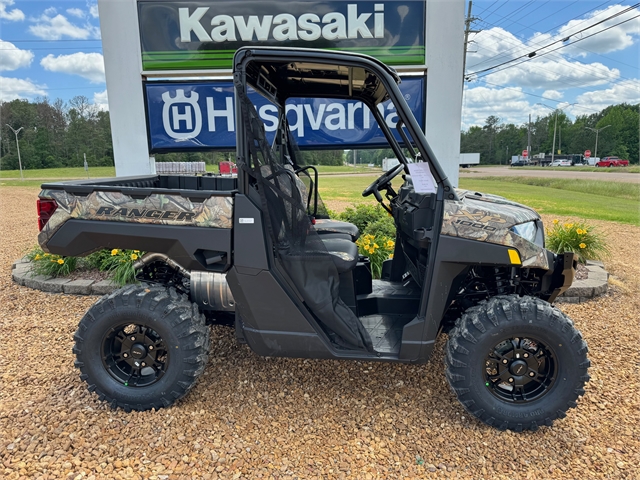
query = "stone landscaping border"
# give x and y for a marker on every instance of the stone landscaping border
(22, 275)
(580, 291)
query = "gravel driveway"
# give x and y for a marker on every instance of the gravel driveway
(252, 417)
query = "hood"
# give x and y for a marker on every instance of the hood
(489, 218)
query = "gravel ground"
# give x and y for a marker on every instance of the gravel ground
(252, 417)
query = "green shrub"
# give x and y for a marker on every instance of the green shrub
(378, 249)
(363, 214)
(51, 265)
(119, 263)
(582, 239)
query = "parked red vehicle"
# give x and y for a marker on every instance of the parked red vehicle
(612, 162)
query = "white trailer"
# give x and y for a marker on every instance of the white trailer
(389, 163)
(468, 159)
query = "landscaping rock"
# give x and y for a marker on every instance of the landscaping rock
(36, 282)
(104, 287)
(54, 285)
(78, 287)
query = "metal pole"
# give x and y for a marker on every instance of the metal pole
(16, 132)
(529, 140)
(597, 130)
(553, 148)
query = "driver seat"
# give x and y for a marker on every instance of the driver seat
(336, 228)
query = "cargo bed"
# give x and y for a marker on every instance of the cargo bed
(155, 213)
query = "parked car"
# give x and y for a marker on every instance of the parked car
(612, 162)
(560, 163)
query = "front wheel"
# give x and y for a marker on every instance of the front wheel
(516, 362)
(141, 347)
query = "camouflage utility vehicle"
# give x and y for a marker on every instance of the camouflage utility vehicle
(261, 250)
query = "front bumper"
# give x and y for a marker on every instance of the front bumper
(562, 275)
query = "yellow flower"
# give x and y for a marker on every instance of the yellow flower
(582, 245)
(579, 231)
(60, 261)
(136, 251)
(391, 256)
(134, 256)
(47, 254)
(38, 257)
(391, 244)
(114, 252)
(375, 245)
(555, 221)
(52, 261)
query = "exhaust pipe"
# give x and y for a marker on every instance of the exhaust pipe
(208, 289)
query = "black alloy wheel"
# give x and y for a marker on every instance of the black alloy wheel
(520, 370)
(141, 347)
(135, 355)
(516, 362)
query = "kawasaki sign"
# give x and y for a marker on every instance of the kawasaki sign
(204, 35)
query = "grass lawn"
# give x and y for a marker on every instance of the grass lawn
(555, 201)
(60, 173)
(601, 202)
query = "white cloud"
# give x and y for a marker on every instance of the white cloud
(509, 104)
(12, 58)
(555, 73)
(86, 65)
(13, 88)
(93, 10)
(52, 26)
(101, 100)
(555, 70)
(75, 12)
(553, 94)
(626, 91)
(14, 15)
(616, 38)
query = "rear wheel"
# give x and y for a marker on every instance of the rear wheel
(141, 348)
(516, 362)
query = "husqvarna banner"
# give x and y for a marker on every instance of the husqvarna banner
(204, 35)
(200, 115)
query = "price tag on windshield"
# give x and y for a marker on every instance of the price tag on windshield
(423, 181)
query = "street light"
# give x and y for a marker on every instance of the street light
(597, 130)
(553, 149)
(16, 132)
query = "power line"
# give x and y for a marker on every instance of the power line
(590, 70)
(530, 56)
(503, 54)
(534, 53)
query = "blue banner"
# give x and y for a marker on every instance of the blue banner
(200, 115)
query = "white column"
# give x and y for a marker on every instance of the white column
(123, 66)
(445, 43)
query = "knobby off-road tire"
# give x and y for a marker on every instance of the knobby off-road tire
(141, 347)
(516, 362)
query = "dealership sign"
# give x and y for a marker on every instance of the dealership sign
(204, 35)
(200, 115)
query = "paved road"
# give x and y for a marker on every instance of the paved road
(612, 176)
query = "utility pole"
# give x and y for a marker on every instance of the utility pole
(597, 130)
(467, 30)
(553, 148)
(16, 132)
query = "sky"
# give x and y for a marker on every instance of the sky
(52, 48)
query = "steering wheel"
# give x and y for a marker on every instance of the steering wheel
(385, 178)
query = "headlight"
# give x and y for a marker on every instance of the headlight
(528, 231)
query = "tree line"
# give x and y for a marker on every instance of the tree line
(59, 134)
(497, 142)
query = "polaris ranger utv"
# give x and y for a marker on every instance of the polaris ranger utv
(262, 247)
